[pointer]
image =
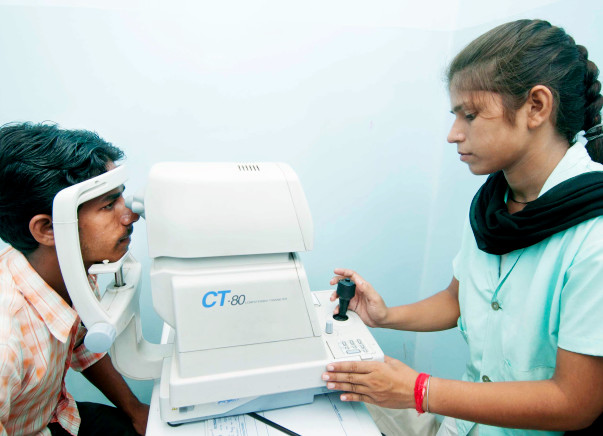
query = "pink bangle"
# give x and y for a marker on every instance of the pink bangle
(420, 388)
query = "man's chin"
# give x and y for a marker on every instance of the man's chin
(115, 257)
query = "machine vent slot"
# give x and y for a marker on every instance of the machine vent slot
(249, 167)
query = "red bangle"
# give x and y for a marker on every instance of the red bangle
(420, 388)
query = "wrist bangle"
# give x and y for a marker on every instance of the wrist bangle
(420, 390)
(427, 396)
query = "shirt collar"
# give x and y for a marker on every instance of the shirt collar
(575, 162)
(54, 311)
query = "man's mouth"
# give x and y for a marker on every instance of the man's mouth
(126, 237)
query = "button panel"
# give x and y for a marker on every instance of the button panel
(353, 346)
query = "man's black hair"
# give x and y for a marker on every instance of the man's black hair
(36, 162)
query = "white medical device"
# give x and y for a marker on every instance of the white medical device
(247, 333)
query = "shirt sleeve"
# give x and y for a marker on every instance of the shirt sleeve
(580, 326)
(10, 381)
(457, 262)
(82, 358)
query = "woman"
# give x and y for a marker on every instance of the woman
(528, 280)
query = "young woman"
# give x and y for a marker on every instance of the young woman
(527, 289)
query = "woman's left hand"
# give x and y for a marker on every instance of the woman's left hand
(388, 384)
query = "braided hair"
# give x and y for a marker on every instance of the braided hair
(592, 113)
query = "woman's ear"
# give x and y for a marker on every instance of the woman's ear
(539, 106)
(41, 229)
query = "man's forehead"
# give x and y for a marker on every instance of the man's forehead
(107, 197)
(114, 193)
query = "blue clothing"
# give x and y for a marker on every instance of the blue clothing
(517, 309)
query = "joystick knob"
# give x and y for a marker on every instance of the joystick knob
(346, 289)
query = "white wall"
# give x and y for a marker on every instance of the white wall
(349, 93)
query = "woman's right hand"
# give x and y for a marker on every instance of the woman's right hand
(367, 303)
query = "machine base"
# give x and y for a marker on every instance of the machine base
(347, 340)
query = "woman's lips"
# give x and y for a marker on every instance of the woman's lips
(464, 156)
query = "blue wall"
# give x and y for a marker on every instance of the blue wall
(350, 95)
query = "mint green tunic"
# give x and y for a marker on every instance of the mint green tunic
(517, 309)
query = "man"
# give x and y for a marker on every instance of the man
(40, 333)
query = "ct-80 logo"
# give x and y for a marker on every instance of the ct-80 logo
(221, 298)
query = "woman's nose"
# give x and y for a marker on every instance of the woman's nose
(455, 135)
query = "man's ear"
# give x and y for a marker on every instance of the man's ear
(41, 229)
(539, 106)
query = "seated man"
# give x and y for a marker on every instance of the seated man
(41, 335)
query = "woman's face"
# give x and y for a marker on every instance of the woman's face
(485, 139)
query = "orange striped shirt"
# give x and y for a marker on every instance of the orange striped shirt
(40, 338)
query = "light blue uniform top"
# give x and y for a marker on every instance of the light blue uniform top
(517, 309)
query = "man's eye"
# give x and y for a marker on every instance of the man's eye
(109, 206)
(470, 117)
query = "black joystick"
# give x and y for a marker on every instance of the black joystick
(346, 289)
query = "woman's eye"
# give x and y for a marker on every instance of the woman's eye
(470, 117)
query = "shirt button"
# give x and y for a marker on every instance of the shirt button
(495, 305)
(486, 379)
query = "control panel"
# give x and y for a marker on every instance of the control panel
(348, 339)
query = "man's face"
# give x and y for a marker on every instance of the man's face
(105, 225)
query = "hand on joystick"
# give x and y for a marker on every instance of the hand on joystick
(346, 289)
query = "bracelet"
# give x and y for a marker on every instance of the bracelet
(420, 390)
(427, 396)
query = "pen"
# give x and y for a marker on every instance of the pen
(273, 424)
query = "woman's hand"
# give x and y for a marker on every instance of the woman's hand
(387, 384)
(367, 303)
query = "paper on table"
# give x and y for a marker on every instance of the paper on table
(334, 415)
(241, 425)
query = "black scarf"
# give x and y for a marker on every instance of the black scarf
(565, 205)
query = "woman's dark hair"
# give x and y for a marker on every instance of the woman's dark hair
(36, 162)
(513, 58)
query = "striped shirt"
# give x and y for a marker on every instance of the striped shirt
(40, 339)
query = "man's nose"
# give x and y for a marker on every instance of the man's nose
(127, 216)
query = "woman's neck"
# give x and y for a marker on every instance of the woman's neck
(527, 177)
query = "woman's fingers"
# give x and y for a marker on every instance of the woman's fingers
(348, 396)
(349, 274)
(349, 387)
(356, 382)
(345, 371)
(335, 280)
(343, 272)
